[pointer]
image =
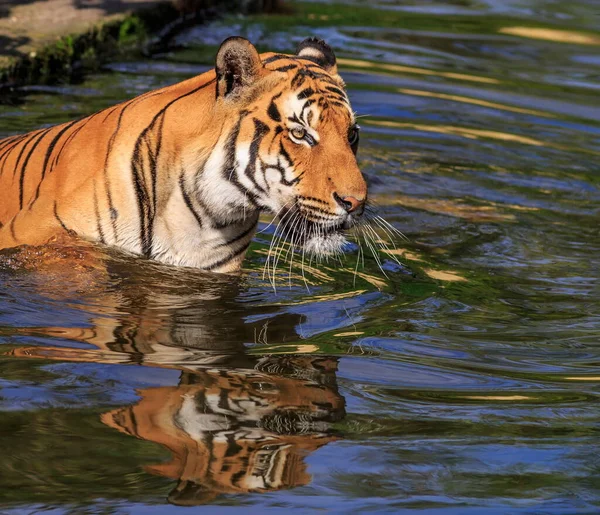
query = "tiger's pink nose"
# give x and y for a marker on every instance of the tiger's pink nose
(350, 204)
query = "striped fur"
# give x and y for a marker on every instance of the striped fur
(181, 174)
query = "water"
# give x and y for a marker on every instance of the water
(466, 381)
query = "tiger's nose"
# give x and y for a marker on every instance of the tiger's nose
(350, 204)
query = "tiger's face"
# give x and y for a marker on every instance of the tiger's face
(295, 141)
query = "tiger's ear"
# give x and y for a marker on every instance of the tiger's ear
(237, 65)
(319, 52)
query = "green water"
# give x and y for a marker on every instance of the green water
(463, 381)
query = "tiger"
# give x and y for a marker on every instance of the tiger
(181, 174)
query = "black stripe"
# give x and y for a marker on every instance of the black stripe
(314, 199)
(335, 90)
(110, 111)
(286, 68)
(12, 229)
(228, 170)
(109, 149)
(30, 138)
(239, 236)
(260, 131)
(235, 478)
(62, 224)
(338, 99)
(305, 93)
(142, 199)
(129, 103)
(147, 147)
(322, 76)
(281, 170)
(313, 217)
(6, 142)
(84, 122)
(111, 142)
(53, 144)
(146, 210)
(313, 65)
(307, 104)
(283, 153)
(188, 200)
(24, 167)
(315, 60)
(153, 170)
(272, 111)
(8, 151)
(317, 213)
(67, 141)
(142, 138)
(208, 218)
(98, 220)
(11, 139)
(276, 57)
(47, 158)
(302, 73)
(230, 257)
(134, 423)
(299, 78)
(317, 210)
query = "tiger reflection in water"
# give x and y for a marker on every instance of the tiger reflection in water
(235, 430)
(235, 423)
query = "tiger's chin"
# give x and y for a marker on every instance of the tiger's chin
(311, 238)
(325, 245)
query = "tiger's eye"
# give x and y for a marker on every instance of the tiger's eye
(299, 132)
(353, 135)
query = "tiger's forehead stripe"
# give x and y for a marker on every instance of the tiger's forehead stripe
(306, 66)
(313, 85)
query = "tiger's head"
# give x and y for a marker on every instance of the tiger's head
(292, 145)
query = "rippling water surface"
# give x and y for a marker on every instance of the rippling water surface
(465, 380)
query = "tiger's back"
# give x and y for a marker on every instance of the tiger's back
(78, 170)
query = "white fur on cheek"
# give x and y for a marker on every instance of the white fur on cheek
(279, 194)
(272, 176)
